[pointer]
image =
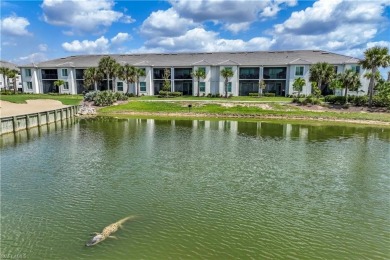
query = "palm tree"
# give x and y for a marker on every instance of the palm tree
(198, 74)
(298, 85)
(107, 67)
(4, 71)
(321, 73)
(226, 73)
(58, 83)
(351, 81)
(92, 76)
(13, 74)
(116, 73)
(374, 58)
(127, 74)
(138, 73)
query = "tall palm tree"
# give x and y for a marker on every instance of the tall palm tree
(298, 85)
(92, 76)
(226, 73)
(198, 74)
(321, 73)
(127, 74)
(116, 73)
(138, 73)
(374, 58)
(107, 67)
(13, 74)
(4, 71)
(351, 81)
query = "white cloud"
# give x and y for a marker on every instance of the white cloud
(199, 39)
(15, 26)
(120, 38)
(86, 16)
(32, 58)
(335, 25)
(165, 23)
(232, 14)
(100, 45)
(42, 47)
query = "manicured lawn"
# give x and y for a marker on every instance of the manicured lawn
(65, 99)
(213, 110)
(240, 98)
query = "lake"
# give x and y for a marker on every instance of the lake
(201, 189)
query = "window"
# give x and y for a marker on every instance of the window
(119, 86)
(29, 85)
(27, 72)
(142, 86)
(356, 68)
(202, 86)
(64, 72)
(1, 83)
(202, 69)
(229, 87)
(299, 70)
(66, 85)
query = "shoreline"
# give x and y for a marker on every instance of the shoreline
(192, 115)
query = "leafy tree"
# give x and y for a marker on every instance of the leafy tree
(127, 74)
(13, 74)
(58, 83)
(5, 72)
(374, 58)
(198, 74)
(226, 73)
(351, 81)
(298, 85)
(336, 83)
(167, 80)
(107, 66)
(321, 73)
(262, 86)
(92, 76)
(383, 88)
(315, 91)
(138, 73)
(116, 73)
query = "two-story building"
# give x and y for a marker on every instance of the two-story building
(5, 81)
(278, 70)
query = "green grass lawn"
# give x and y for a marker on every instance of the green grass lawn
(240, 98)
(21, 98)
(210, 110)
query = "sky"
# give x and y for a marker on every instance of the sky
(34, 31)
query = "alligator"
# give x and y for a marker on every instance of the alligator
(107, 231)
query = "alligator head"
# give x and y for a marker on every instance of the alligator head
(96, 239)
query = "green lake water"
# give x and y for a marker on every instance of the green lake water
(201, 190)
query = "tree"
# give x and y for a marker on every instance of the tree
(226, 73)
(198, 74)
(298, 85)
(167, 80)
(138, 73)
(374, 58)
(4, 71)
(351, 81)
(116, 72)
(13, 74)
(262, 86)
(322, 73)
(58, 83)
(336, 83)
(128, 75)
(92, 76)
(107, 67)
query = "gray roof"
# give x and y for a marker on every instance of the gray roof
(263, 58)
(9, 65)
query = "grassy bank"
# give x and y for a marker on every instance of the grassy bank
(64, 99)
(270, 110)
(192, 98)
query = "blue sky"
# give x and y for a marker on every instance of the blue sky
(33, 31)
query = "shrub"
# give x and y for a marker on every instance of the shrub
(359, 101)
(105, 98)
(90, 96)
(336, 100)
(253, 94)
(269, 94)
(131, 94)
(296, 100)
(168, 94)
(120, 96)
(380, 102)
(7, 92)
